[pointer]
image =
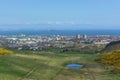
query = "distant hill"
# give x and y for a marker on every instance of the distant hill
(112, 46)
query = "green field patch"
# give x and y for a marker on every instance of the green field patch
(44, 65)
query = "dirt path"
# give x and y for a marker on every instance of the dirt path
(29, 73)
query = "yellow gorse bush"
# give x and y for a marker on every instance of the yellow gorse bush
(4, 52)
(111, 60)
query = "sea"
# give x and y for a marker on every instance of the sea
(62, 32)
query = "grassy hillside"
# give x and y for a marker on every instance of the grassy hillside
(35, 65)
(112, 46)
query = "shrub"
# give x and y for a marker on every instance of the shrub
(4, 52)
(111, 60)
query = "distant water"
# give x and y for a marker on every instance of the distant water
(62, 32)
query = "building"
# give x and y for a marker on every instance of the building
(78, 36)
(84, 36)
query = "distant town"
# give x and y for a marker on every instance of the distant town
(27, 42)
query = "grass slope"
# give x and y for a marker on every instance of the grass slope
(35, 65)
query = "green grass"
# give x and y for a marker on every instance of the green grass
(47, 65)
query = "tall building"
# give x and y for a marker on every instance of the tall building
(84, 36)
(78, 36)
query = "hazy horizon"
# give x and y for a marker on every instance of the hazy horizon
(14, 27)
(52, 14)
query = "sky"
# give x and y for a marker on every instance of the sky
(59, 14)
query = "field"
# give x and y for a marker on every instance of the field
(51, 65)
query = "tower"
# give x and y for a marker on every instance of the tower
(84, 36)
(78, 36)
